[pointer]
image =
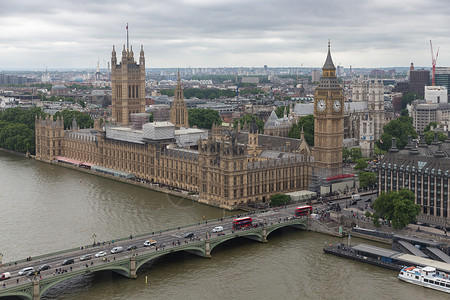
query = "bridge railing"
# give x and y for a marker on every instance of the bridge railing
(149, 234)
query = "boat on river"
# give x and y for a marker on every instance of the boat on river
(427, 277)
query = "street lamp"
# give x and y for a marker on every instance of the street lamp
(94, 236)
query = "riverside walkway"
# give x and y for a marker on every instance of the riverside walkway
(128, 262)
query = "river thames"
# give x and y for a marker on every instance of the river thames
(45, 208)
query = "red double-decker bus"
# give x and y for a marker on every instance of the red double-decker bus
(302, 211)
(242, 222)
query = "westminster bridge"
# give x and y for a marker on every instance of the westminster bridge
(128, 262)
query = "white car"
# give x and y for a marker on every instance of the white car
(85, 257)
(116, 250)
(149, 243)
(25, 271)
(100, 254)
(218, 229)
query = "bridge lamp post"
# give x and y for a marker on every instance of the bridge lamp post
(94, 236)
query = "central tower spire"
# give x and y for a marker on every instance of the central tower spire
(128, 40)
(179, 111)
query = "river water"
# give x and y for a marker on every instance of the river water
(45, 208)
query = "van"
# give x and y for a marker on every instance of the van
(356, 197)
(217, 229)
(116, 250)
(5, 276)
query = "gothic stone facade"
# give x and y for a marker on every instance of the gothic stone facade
(328, 122)
(127, 86)
(225, 172)
(365, 116)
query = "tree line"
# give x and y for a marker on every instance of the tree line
(201, 93)
(17, 127)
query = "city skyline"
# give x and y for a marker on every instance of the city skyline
(68, 34)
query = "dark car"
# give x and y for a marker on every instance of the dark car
(43, 268)
(129, 248)
(68, 262)
(368, 200)
(189, 235)
(32, 273)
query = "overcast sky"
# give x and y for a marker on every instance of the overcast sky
(216, 33)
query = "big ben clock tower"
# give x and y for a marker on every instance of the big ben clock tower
(328, 122)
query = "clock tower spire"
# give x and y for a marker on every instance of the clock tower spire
(328, 122)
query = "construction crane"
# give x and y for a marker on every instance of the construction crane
(433, 60)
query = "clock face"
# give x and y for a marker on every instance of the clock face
(337, 105)
(321, 105)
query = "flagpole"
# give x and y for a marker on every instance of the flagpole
(127, 36)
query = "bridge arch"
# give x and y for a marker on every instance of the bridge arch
(252, 235)
(20, 294)
(275, 227)
(122, 269)
(194, 249)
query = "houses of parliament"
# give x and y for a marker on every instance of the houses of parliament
(226, 167)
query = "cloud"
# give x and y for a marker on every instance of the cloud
(201, 33)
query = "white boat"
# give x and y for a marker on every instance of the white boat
(427, 277)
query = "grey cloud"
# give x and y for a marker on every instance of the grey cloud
(210, 33)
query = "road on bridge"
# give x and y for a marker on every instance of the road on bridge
(164, 239)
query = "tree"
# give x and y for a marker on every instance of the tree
(17, 129)
(307, 123)
(361, 164)
(429, 137)
(428, 127)
(17, 137)
(279, 199)
(280, 111)
(356, 154)
(83, 120)
(204, 118)
(408, 98)
(404, 113)
(150, 118)
(202, 93)
(346, 153)
(429, 134)
(247, 119)
(397, 207)
(399, 128)
(367, 179)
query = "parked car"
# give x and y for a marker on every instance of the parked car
(188, 235)
(44, 267)
(85, 257)
(116, 250)
(100, 254)
(25, 270)
(129, 248)
(217, 229)
(68, 261)
(149, 243)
